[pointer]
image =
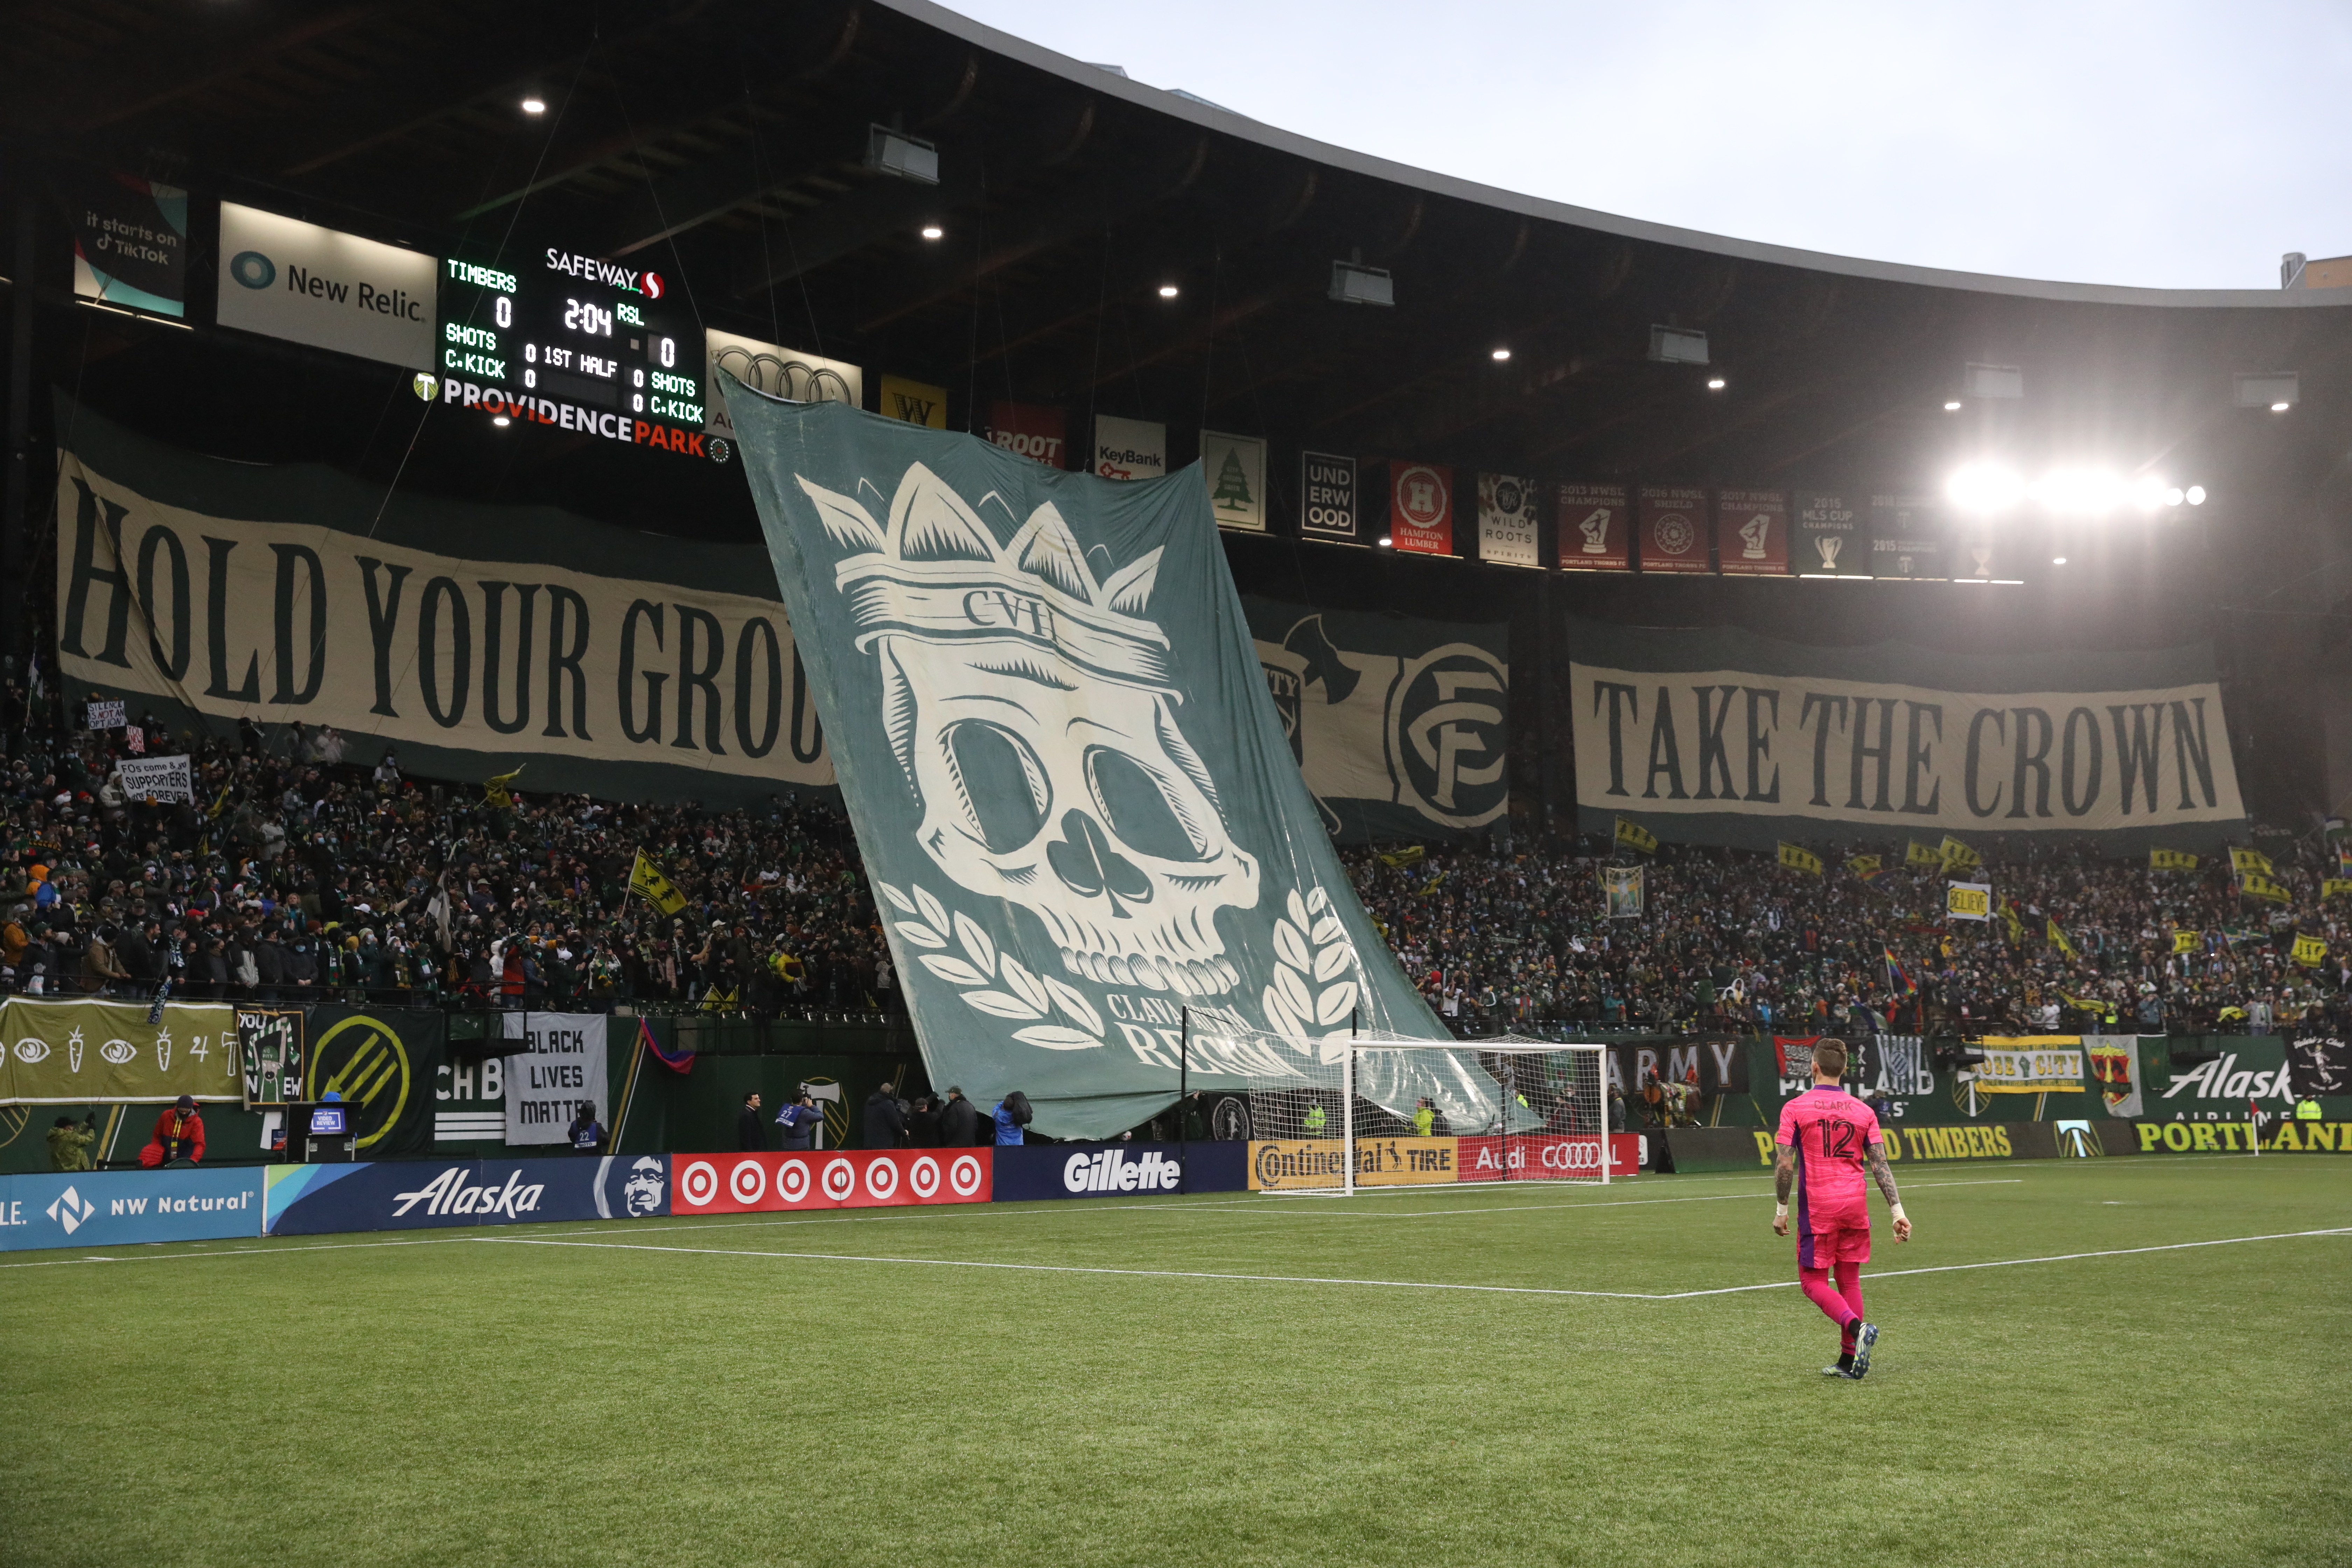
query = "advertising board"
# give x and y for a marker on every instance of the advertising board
(1295, 1164)
(1027, 1172)
(830, 1179)
(413, 1195)
(119, 1208)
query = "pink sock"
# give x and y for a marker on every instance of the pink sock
(1849, 1279)
(1823, 1295)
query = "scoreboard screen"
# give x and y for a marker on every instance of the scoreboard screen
(577, 342)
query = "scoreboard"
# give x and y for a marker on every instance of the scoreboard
(577, 342)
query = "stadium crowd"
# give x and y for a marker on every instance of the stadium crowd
(294, 875)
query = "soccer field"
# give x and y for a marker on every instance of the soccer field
(1539, 1375)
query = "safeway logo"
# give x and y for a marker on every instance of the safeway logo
(448, 1193)
(71, 1210)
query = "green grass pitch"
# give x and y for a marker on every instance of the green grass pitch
(692, 1392)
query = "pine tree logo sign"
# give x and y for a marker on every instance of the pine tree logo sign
(1235, 469)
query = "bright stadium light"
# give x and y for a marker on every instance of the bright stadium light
(1984, 487)
(933, 231)
(2281, 407)
(1715, 383)
(1386, 541)
(1168, 291)
(1951, 405)
(2173, 495)
(1499, 355)
(499, 420)
(2084, 493)
(534, 106)
(2057, 561)
(2194, 495)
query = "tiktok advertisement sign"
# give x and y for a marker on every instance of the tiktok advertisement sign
(562, 1070)
(1083, 819)
(1400, 726)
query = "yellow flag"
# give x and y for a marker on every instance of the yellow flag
(650, 885)
(2309, 951)
(2184, 941)
(1799, 859)
(1956, 854)
(2255, 884)
(2058, 940)
(499, 790)
(2244, 860)
(1865, 866)
(1398, 859)
(2016, 926)
(2171, 860)
(1919, 854)
(1633, 835)
(2335, 887)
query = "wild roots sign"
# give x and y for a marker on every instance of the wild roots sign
(1081, 816)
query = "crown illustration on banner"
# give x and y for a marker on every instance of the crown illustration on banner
(936, 574)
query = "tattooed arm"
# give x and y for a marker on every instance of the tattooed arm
(1884, 1174)
(1784, 1173)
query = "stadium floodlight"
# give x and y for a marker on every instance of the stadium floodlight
(1984, 488)
(1500, 355)
(2057, 561)
(2174, 495)
(1992, 381)
(534, 106)
(1678, 345)
(2276, 390)
(1386, 541)
(499, 420)
(1353, 283)
(933, 231)
(2080, 492)
(890, 152)
(1951, 405)
(1168, 291)
(1715, 383)
(1330, 1115)
(2194, 495)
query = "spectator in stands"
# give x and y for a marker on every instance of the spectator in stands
(69, 1142)
(750, 1127)
(179, 1136)
(102, 966)
(800, 1120)
(959, 1120)
(885, 1120)
(1012, 1116)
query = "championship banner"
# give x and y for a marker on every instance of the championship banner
(1724, 737)
(1673, 530)
(2029, 1064)
(1752, 533)
(1081, 814)
(156, 778)
(1401, 727)
(1507, 520)
(1907, 538)
(547, 1084)
(474, 638)
(1029, 430)
(90, 1052)
(1421, 509)
(1328, 499)
(1596, 528)
(1830, 536)
(1235, 467)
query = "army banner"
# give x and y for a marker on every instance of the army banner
(1724, 737)
(474, 638)
(1400, 726)
(93, 1052)
(1091, 848)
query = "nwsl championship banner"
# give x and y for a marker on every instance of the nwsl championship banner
(1720, 736)
(473, 639)
(1400, 726)
(1088, 839)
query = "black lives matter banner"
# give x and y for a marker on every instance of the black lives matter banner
(472, 638)
(1725, 737)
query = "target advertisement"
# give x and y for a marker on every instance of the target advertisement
(1674, 528)
(830, 1179)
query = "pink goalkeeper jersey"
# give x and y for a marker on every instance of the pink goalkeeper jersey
(1831, 1132)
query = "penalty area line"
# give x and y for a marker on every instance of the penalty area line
(1373, 1284)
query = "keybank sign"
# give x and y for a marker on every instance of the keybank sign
(291, 280)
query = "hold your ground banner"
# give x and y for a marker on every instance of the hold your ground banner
(472, 638)
(1085, 826)
(1400, 726)
(1722, 737)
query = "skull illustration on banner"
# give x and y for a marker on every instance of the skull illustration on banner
(1082, 819)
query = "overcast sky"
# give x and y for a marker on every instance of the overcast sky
(2161, 143)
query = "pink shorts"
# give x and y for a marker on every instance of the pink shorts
(1819, 1249)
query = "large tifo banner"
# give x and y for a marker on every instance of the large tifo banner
(1085, 826)
(1721, 736)
(1400, 726)
(475, 639)
(90, 1052)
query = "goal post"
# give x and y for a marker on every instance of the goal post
(1331, 1117)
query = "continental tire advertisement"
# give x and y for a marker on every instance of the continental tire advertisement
(1305, 1164)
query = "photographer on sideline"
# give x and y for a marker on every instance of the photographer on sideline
(798, 1120)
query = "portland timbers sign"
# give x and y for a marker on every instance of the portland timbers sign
(1088, 841)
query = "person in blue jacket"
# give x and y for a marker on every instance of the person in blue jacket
(1013, 1114)
(798, 1120)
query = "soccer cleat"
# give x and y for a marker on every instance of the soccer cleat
(1863, 1340)
(1833, 1370)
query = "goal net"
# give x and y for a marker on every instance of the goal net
(1339, 1114)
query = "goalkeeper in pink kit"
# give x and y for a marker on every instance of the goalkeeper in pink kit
(1827, 1139)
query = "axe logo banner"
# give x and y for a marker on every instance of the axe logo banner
(1400, 727)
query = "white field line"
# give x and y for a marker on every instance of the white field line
(1376, 1284)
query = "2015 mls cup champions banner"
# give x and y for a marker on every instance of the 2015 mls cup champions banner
(1079, 809)
(1722, 737)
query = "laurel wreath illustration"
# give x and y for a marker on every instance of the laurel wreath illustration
(993, 983)
(1310, 997)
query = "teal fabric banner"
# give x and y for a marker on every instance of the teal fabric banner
(1082, 821)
